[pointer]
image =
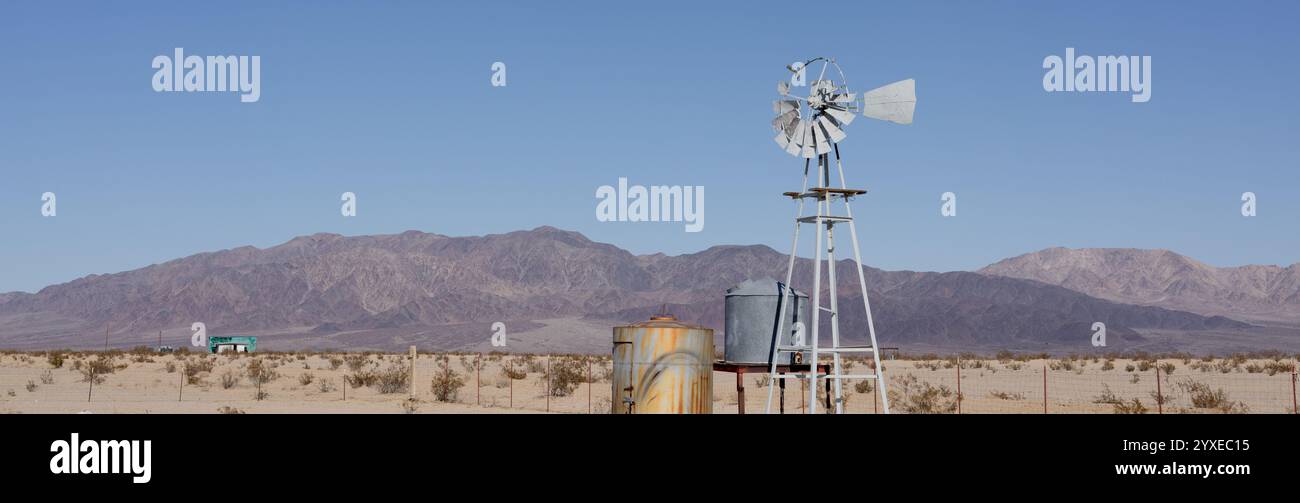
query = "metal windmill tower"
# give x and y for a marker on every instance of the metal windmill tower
(811, 127)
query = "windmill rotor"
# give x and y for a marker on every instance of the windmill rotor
(811, 126)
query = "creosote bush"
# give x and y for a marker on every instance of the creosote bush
(913, 396)
(446, 384)
(393, 379)
(566, 375)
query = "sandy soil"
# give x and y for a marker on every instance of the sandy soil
(158, 384)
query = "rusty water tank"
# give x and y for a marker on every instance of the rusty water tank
(662, 366)
(751, 313)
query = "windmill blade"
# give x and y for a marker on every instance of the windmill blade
(782, 140)
(795, 145)
(843, 117)
(783, 121)
(783, 87)
(783, 106)
(822, 143)
(828, 126)
(894, 102)
(843, 98)
(809, 149)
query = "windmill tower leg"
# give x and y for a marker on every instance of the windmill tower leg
(866, 301)
(786, 294)
(835, 314)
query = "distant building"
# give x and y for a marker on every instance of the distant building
(238, 344)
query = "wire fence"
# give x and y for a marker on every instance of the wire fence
(580, 384)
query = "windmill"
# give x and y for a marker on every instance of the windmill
(812, 127)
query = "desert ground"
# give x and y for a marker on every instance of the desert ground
(145, 382)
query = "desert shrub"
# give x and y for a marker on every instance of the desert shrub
(393, 379)
(305, 378)
(1108, 365)
(47, 377)
(1133, 407)
(260, 372)
(863, 387)
(410, 406)
(357, 362)
(326, 386)
(361, 378)
(1003, 395)
(202, 364)
(88, 375)
(1167, 368)
(446, 384)
(566, 374)
(96, 369)
(55, 358)
(1274, 367)
(1145, 365)
(261, 395)
(1205, 397)
(510, 370)
(229, 379)
(1129, 368)
(226, 409)
(1106, 396)
(335, 362)
(170, 367)
(31, 386)
(911, 395)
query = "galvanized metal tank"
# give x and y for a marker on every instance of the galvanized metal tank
(751, 313)
(662, 366)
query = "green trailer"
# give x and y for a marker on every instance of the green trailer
(239, 344)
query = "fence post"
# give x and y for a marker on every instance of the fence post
(589, 386)
(181, 390)
(1160, 397)
(412, 384)
(1294, 409)
(548, 383)
(478, 378)
(511, 380)
(959, 386)
(1044, 388)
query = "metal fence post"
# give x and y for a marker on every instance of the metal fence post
(1160, 397)
(412, 376)
(1294, 409)
(548, 383)
(589, 386)
(92, 383)
(478, 378)
(959, 397)
(1044, 388)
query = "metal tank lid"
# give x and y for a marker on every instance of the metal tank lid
(663, 321)
(765, 287)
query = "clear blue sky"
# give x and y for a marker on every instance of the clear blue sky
(392, 101)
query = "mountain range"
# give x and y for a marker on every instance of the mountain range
(556, 290)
